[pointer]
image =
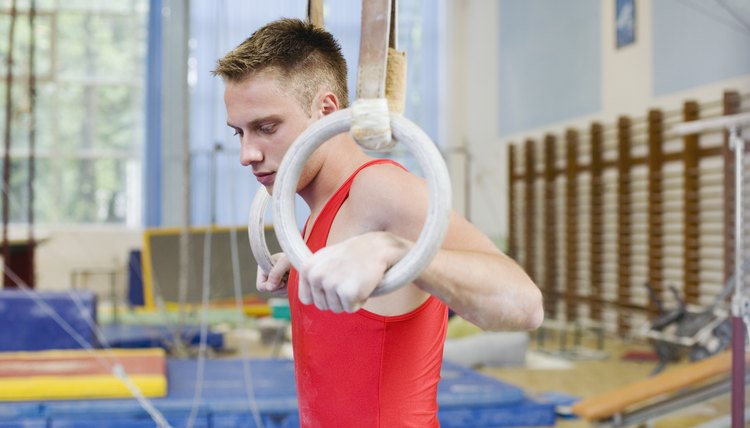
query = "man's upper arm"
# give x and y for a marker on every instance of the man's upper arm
(396, 201)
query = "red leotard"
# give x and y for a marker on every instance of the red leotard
(365, 370)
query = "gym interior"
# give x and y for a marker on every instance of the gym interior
(599, 144)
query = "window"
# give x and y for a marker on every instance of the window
(89, 67)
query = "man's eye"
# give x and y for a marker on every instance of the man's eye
(267, 129)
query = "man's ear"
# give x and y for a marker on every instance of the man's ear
(327, 104)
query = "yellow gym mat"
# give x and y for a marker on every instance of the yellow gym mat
(80, 374)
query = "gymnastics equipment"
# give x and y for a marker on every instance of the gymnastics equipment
(597, 211)
(466, 398)
(81, 374)
(658, 395)
(28, 325)
(404, 131)
(702, 332)
(256, 224)
(740, 310)
(160, 264)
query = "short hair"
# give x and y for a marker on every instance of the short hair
(306, 57)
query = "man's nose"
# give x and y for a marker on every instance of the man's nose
(249, 153)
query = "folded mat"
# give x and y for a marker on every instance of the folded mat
(80, 374)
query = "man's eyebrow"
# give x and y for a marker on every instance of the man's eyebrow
(256, 122)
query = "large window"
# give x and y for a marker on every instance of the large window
(89, 68)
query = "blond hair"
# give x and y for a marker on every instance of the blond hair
(307, 59)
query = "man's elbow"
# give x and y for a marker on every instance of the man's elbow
(525, 314)
(535, 311)
(530, 312)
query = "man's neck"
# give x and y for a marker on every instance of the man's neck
(341, 159)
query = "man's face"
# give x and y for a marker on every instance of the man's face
(267, 120)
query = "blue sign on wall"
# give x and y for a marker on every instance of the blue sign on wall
(625, 22)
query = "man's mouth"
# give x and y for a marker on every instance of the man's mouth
(265, 178)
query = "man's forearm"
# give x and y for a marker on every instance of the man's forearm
(490, 290)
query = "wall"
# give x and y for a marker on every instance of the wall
(549, 61)
(470, 109)
(93, 248)
(628, 82)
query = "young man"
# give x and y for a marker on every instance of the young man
(359, 361)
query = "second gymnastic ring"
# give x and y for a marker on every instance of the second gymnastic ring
(430, 161)
(256, 228)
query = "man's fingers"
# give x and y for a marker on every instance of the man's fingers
(277, 278)
(350, 302)
(303, 291)
(334, 302)
(278, 275)
(260, 280)
(319, 297)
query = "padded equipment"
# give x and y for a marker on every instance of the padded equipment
(27, 325)
(80, 374)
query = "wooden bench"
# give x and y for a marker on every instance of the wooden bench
(672, 389)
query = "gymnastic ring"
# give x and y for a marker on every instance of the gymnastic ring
(255, 230)
(431, 163)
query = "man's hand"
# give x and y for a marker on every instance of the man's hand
(341, 277)
(274, 281)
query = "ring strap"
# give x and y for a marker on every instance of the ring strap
(315, 13)
(382, 67)
(393, 33)
(373, 48)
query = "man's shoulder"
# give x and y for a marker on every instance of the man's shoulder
(381, 191)
(383, 180)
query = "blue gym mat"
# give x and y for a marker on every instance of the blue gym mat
(466, 398)
(28, 326)
(156, 336)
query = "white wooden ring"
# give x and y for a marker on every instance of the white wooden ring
(430, 161)
(256, 228)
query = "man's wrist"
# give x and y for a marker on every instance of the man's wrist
(394, 247)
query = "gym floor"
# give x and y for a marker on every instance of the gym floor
(584, 378)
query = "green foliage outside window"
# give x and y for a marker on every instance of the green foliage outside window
(90, 66)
